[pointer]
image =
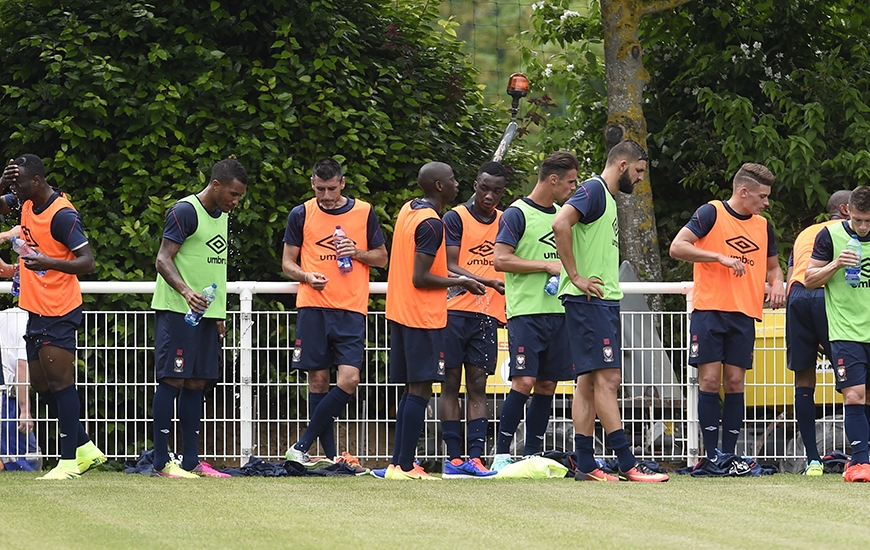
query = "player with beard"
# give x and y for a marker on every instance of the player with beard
(587, 239)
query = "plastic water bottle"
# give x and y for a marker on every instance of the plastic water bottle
(853, 272)
(16, 281)
(552, 286)
(345, 263)
(192, 317)
(21, 248)
(457, 290)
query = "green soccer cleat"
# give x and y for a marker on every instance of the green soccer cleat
(814, 468)
(175, 471)
(65, 469)
(89, 457)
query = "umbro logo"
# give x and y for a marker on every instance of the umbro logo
(217, 243)
(28, 236)
(329, 244)
(742, 244)
(549, 239)
(484, 249)
(865, 268)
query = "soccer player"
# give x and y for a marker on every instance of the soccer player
(806, 329)
(538, 341)
(330, 328)
(472, 321)
(51, 294)
(192, 255)
(417, 310)
(848, 320)
(586, 232)
(734, 251)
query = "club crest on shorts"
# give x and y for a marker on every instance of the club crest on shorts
(693, 347)
(179, 361)
(841, 371)
(297, 351)
(607, 351)
(440, 363)
(521, 362)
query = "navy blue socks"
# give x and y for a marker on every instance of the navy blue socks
(619, 443)
(805, 414)
(451, 433)
(476, 435)
(708, 417)
(511, 413)
(400, 429)
(584, 448)
(330, 407)
(189, 416)
(537, 418)
(733, 410)
(857, 431)
(68, 410)
(162, 411)
(414, 416)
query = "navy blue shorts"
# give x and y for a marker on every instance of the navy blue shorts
(416, 354)
(183, 351)
(722, 336)
(471, 340)
(59, 332)
(329, 337)
(595, 335)
(806, 327)
(539, 347)
(850, 361)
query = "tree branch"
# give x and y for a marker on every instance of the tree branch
(661, 5)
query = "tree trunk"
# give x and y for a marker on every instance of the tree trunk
(626, 79)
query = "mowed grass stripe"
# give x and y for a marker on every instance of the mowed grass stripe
(115, 510)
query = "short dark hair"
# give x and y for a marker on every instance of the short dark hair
(752, 175)
(326, 169)
(30, 165)
(227, 170)
(627, 150)
(493, 168)
(860, 199)
(558, 163)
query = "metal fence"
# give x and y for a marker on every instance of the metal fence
(260, 408)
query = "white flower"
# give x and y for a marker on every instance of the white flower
(547, 73)
(570, 68)
(757, 45)
(567, 14)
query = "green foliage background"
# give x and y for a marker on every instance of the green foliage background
(131, 103)
(731, 81)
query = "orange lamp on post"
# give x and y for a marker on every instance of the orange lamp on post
(518, 87)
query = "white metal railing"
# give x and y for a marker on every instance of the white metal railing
(260, 407)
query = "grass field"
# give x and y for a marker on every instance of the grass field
(116, 510)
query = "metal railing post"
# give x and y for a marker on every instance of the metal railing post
(693, 425)
(246, 413)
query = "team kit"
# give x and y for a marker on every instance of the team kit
(545, 267)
